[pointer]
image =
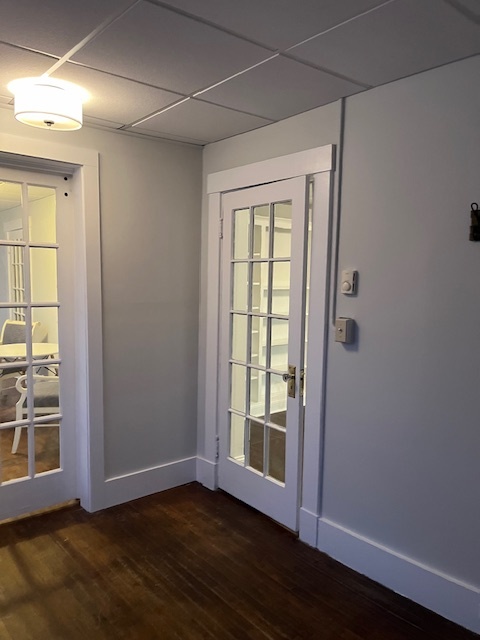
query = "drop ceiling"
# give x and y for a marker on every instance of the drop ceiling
(198, 71)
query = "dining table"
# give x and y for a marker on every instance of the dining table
(18, 351)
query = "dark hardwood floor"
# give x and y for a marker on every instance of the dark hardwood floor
(186, 564)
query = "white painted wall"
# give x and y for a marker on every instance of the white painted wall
(402, 436)
(150, 195)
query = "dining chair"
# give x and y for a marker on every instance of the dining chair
(45, 401)
(15, 332)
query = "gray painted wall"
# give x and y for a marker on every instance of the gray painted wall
(403, 422)
(150, 194)
(402, 436)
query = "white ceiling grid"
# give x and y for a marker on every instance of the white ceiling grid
(198, 72)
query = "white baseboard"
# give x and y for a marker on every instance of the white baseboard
(146, 481)
(307, 527)
(451, 598)
(207, 473)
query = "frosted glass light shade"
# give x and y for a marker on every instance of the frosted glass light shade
(48, 103)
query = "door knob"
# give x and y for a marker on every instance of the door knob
(289, 378)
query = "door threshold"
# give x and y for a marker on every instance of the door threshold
(40, 512)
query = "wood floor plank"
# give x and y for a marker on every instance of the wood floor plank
(189, 564)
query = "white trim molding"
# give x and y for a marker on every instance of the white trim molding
(307, 527)
(207, 473)
(444, 594)
(138, 484)
(302, 163)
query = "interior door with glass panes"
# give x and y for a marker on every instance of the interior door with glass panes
(262, 346)
(36, 334)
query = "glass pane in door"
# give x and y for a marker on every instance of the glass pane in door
(14, 466)
(256, 445)
(257, 406)
(261, 231)
(241, 233)
(282, 234)
(237, 437)
(279, 344)
(239, 337)
(11, 211)
(281, 288)
(238, 387)
(278, 400)
(12, 279)
(43, 274)
(47, 447)
(259, 288)
(258, 343)
(45, 328)
(41, 214)
(276, 454)
(240, 286)
(46, 390)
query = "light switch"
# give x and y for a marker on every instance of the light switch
(348, 283)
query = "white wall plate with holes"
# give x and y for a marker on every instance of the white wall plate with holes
(348, 282)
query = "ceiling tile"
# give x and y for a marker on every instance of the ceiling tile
(470, 8)
(280, 88)
(160, 47)
(202, 122)
(54, 26)
(396, 40)
(273, 23)
(18, 63)
(101, 122)
(6, 99)
(166, 136)
(113, 98)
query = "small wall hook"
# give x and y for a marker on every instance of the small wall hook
(474, 223)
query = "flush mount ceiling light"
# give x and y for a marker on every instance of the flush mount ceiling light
(48, 103)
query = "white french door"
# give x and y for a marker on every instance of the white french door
(37, 382)
(262, 327)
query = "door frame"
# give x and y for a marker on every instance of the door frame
(319, 164)
(82, 165)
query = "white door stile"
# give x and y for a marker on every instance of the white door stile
(318, 318)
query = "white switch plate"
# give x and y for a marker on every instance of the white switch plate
(348, 282)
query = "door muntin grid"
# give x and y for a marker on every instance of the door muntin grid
(259, 320)
(35, 213)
